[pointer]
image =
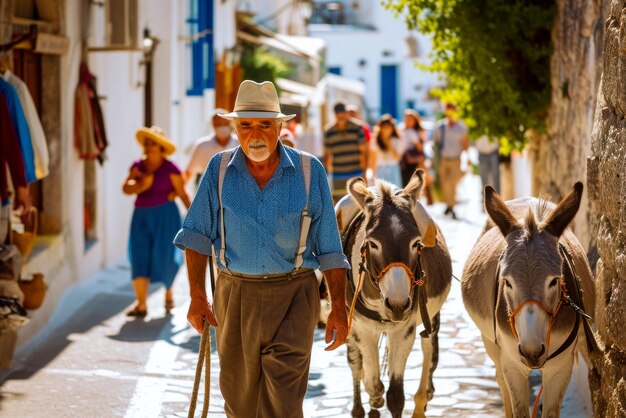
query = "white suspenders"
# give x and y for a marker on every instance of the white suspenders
(305, 219)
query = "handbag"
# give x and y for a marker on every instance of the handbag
(34, 291)
(25, 241)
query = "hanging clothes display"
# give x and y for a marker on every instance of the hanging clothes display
(89, 131)
(10, 154)
(37, 135)
(18, 121)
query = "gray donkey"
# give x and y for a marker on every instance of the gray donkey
(524, 285)
(405, 275)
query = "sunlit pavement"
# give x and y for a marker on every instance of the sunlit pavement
(94, 362)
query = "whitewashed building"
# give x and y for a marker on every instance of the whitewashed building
(192, 43)
(366, 42)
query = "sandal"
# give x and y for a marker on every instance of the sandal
(137, 313)
(169, 305)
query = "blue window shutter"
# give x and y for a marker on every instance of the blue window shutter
(334, 70)
(202, 59)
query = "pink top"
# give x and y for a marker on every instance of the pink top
(161, 185)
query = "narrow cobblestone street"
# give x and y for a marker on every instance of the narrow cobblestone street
(92, 362)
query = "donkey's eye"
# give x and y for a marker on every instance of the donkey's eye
(415, 245)
(506, 283)
(554, 282)
(373, 246)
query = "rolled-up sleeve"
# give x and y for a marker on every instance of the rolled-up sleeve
(325, 233)
(199, 227)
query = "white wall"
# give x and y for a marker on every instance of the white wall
(347, 46)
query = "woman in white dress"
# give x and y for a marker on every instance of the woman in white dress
(386, 148)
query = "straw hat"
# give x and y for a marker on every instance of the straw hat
(257, 100)
(157, 135)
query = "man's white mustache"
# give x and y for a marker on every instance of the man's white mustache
(257, 144)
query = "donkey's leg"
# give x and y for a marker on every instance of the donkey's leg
(400, 343)
(430, 351)
(494, 354)
(516, 378)
(371, 366)
(555, 378)
(355, 360)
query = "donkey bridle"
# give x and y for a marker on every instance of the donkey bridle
(564, 300)
(417, 278)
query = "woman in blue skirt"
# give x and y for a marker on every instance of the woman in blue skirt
(157, 182)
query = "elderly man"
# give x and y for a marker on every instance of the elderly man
(206, 147)
(266, 300)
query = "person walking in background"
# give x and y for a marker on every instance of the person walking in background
(414, 157)
(354, 111)
(206, 147)
(489, 161)
(345, 151)
(384, 154)
(157, 182)
(266, 300)
(450, 137)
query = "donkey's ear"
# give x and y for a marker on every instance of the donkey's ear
(414, 188)
(498, 212)
(359, 191)
(565, 211)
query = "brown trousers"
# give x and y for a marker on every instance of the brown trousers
(264, 342)
(450, 174)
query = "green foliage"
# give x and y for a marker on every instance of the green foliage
(495, 56)
(260, 65)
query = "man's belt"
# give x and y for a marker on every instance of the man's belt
(269, 277)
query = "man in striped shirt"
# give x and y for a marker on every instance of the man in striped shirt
(345, 153)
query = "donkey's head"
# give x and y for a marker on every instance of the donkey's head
(530, 269)
(393, 240)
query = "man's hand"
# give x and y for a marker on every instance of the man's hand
(200, 310)
(337, 327)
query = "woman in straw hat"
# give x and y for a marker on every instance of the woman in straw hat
(156, 181)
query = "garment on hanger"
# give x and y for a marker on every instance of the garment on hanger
(20, 125)
(37, 135)
(10, 154)
(89, 130)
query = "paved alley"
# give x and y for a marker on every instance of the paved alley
(93, 362)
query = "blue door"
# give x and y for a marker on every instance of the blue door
(389, 90)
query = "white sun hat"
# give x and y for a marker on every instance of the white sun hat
(257, 100)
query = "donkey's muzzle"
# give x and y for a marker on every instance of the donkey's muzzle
(532, 358)
(397, 312)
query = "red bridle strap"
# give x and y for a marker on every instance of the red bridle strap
(415, 281)
(412, 279)
(544, 308)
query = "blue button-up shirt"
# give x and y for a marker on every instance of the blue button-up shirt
(263, 225)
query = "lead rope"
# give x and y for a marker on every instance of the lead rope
(357, 290)
(203, 354)
(204, 358)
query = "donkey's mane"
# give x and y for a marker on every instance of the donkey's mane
(536, 215)
(386, 191)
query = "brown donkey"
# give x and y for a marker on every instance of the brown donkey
(405, 273)
(523, 285)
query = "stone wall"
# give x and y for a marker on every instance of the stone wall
(607, 192)
(559, 157)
